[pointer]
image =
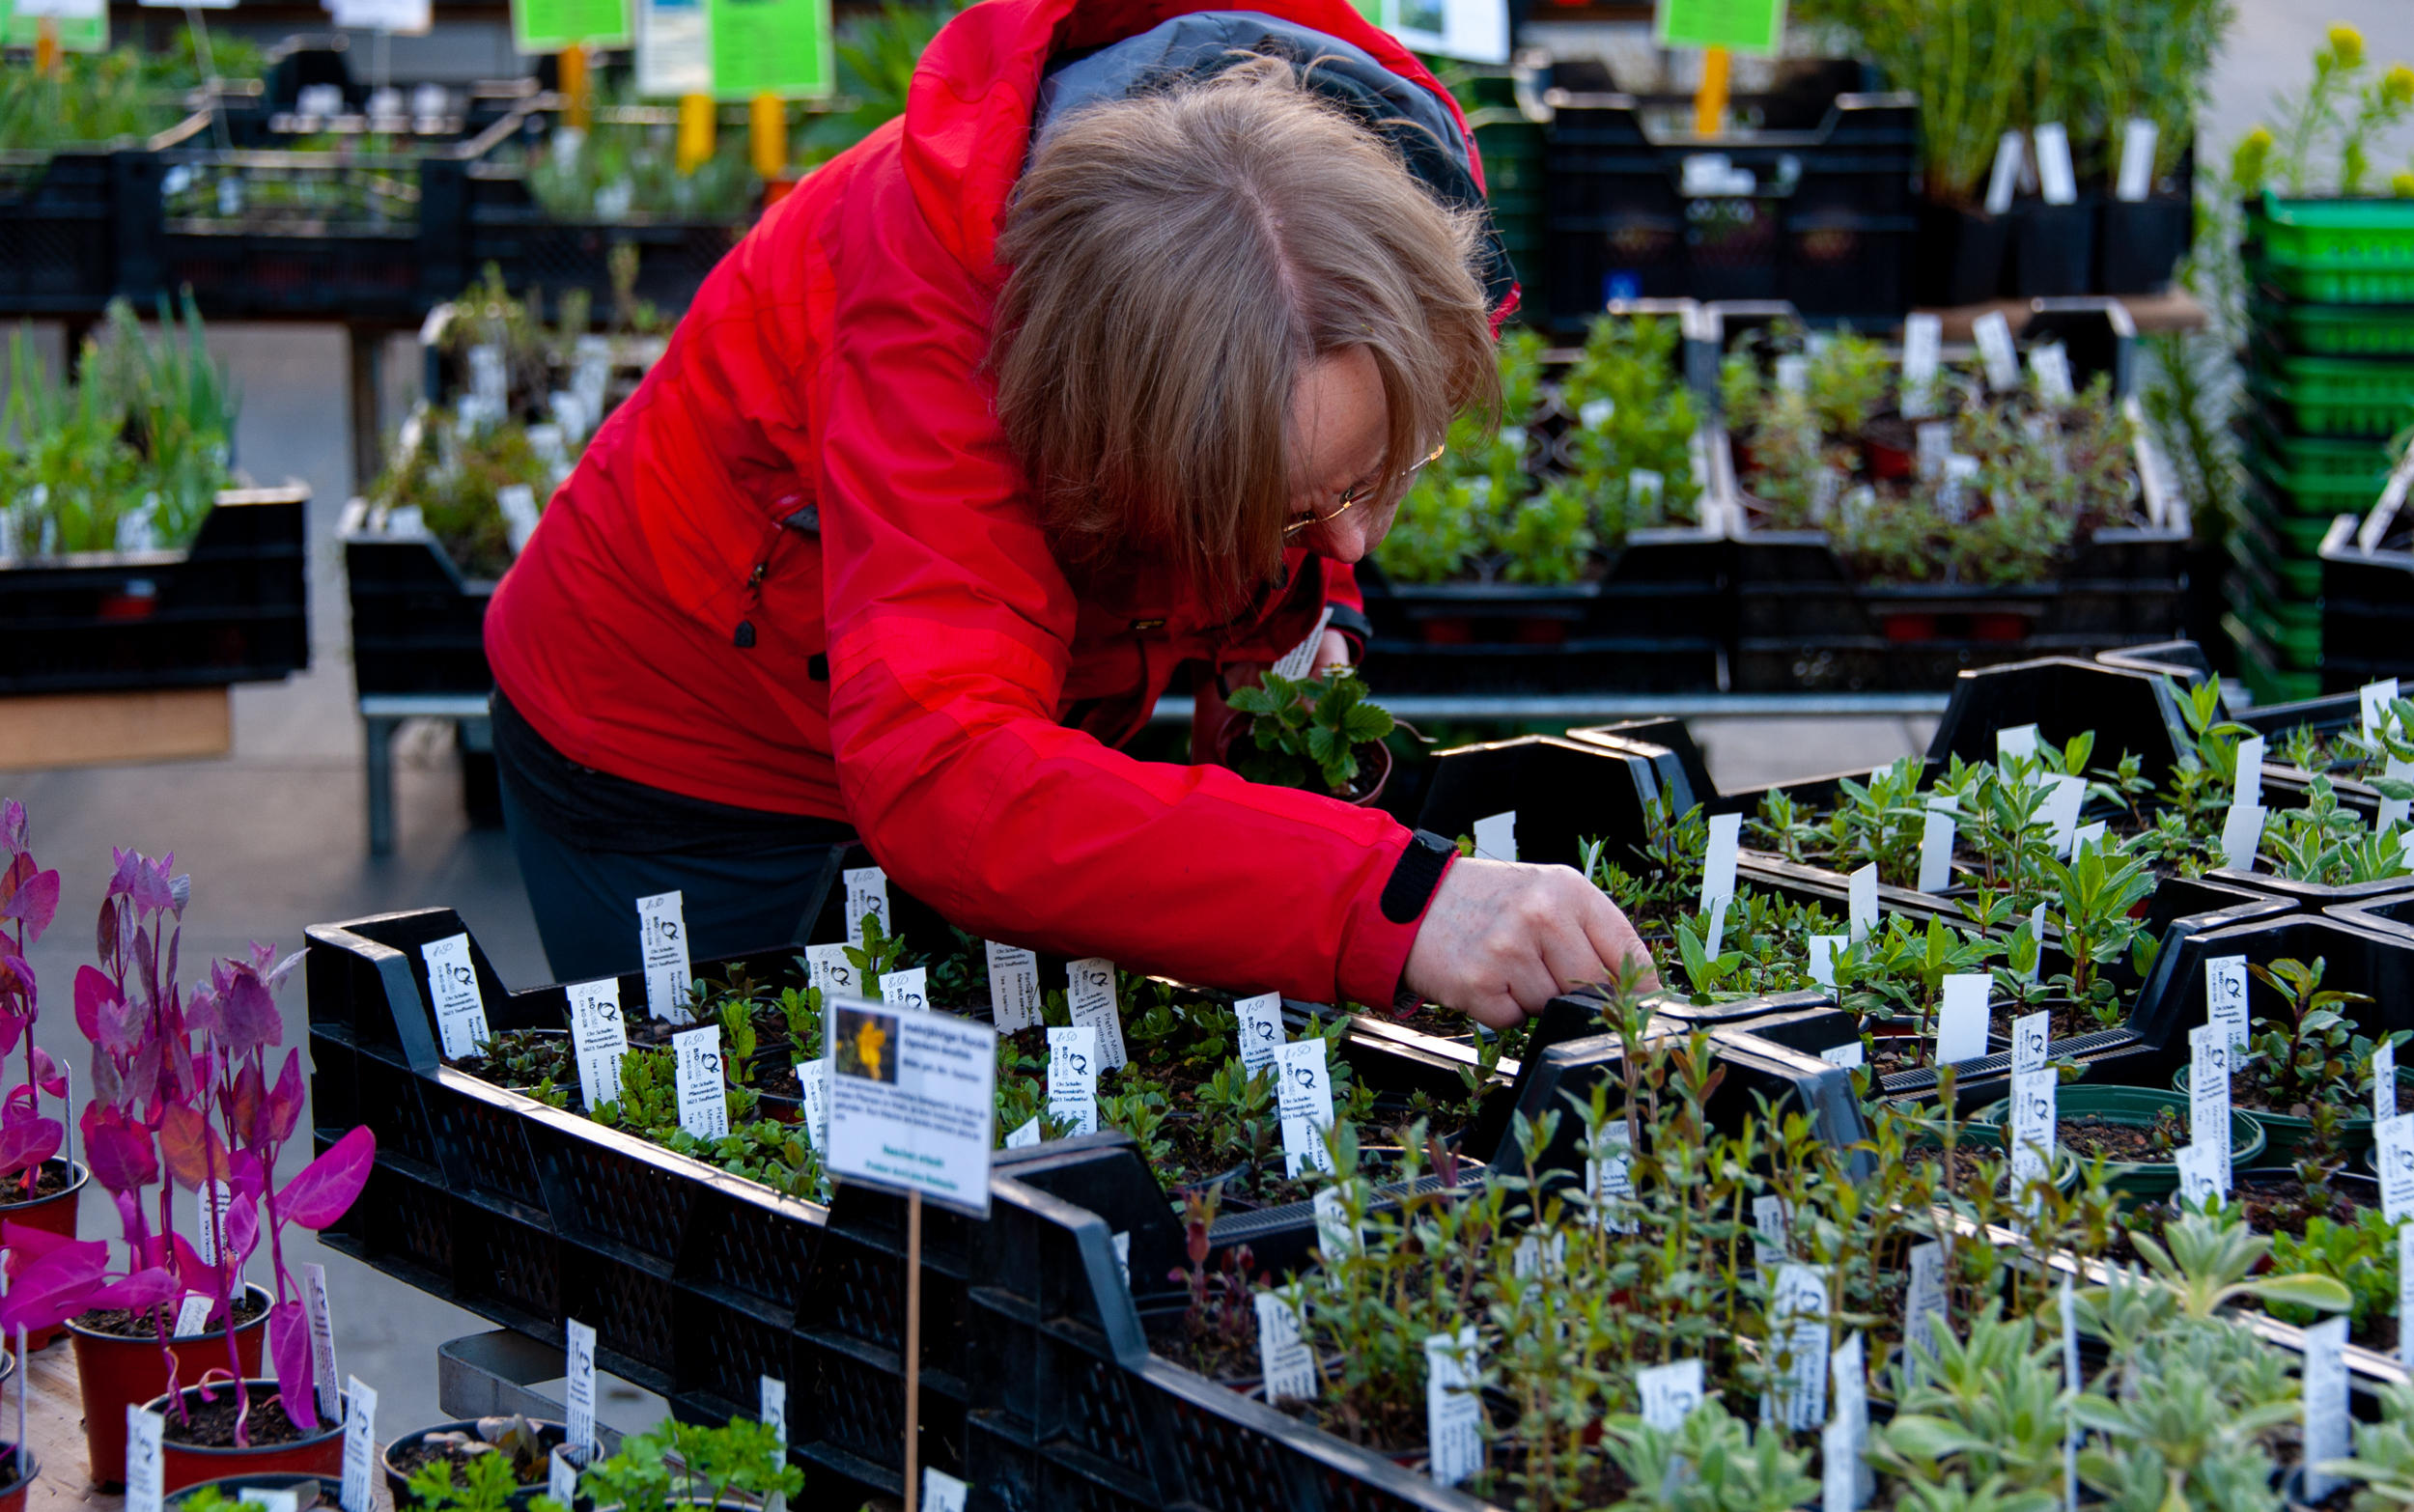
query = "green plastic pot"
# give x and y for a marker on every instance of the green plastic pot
(2137, 1107)
(2285, 1132)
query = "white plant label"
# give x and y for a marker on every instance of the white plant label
(772, 1405)
(320, 1316)
(1495, 838)
(561, 1475)
(1849, 1367)
(1718, 865)
(1282, 1357)
(868, 898)
(2325, 1382)
(2248, 788)
(1645, 488)
(453, 990)
(1793, 373)
(1260, 1029)
(2384, 1082)
(2224, 995)
(1934, 443)
(1025, 1134)
(2393, 1157)
(1534, 1259)
(1669, 1393)
(1824, 949)
(1862, 898)
(1922, 351)
(1768, 1224)
(2090, 835)
(1091, 995)
(2018, 741)
(1837, 1481)
(360, 1445)
(2055, 179)
(662, 937)
(2034, 1129)
(2209, 1093)
(1072, 1078)
(2073, 1379)
(2031, 1034)
(2199, 1173)
(518, 504)
(1846, 1058)
(1335, 1236)
(269, 1499)
(1936, 852)
(1798, 1329)
(2241, 835)
(703, 1106)
(146, 1460)
(1961, 1020)
(907, 987)
(2050, 365)
(192, 1315)
(1012, 987)
(1453, 1411)
(600, 1039)
(1995, 349)
(2405, 1293)
(1303, 1096)
(2036, 932)
(2372, 701)
(828, 970)
(813, 1086)
(578, 1386)
(1922, 1300)
(210, 1206)
(2064, 796)
(943, 1492)
(1301, 659)
(1610, 1177)
(2137, 159)
(2010, 153)
(1595, 413)
(914, 1105)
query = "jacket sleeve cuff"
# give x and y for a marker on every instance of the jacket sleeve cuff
(1374, 949)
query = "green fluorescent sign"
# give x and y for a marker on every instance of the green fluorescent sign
(552, 25)
(770, 47)
(76, 32)
(1755, 26)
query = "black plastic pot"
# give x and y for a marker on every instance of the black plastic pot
(398, 1485)
(2140, 242)
(2053, 248)
(1962, 253)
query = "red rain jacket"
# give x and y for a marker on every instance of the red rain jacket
(920, 667)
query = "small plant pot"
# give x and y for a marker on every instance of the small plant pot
(2053, 250)
(54, 1214)
(1448, 630)
(311, 1491)
(398, 1482)
(318, 1454)
(2136, 1107)
(1374, 769)
(17, 1477)
(116, 1372)
(1907, 628)
(1961, 254)
(2285, 1132)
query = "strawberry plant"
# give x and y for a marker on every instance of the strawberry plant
(1308, 731)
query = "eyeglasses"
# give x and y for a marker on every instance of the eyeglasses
(1356, 496)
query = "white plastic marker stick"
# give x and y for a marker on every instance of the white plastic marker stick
(1933, 441)
(2090, 835)
(1923, 350)
(2405, 1293)
(1793, 373)
(2373, 700)
(1304, 1097)
(1533, 1260)
(1849, 1367)
(578, 1386)
(2050, 365)
(2248, 788)
(561, 1474)
(1837, 1480)
(703, 1103)
(867, 897)
(2241, 836)
(1091, 995)
(663, 938)
(1798, 1329)
(1610, 1178)
(2224, 995)
(1861, 894)
(771, 1410)
(1996, 352)
(453, 989)
(1335, 1236)
(146, 1460)
(2199, 1173)
(2209, 1093)
(1846, 1058)
(2019, 739)
(1961, 1020)
(813, 1085)
(2055, 179)
(321, 1319)
(2034, 1130)
(2064, 795)
(2036, 932)
(1282, 1357)
(1301, 659)
(1669, 1393)
(1072, 1078)
(943, 1492)
(1824, 949)
(519, 502)
(2392, 1158)
(2325, 1380)
(2137, 159)
(1768, 1224)
(1025, 1135)
(1012, 987)
(1453, 1411)
(2031, 1034)
(599, 1038)
(210, 1206)
(1936, 849)
(907, 987)
(2010, 151)
(2384, 1082)
(1495, 838)
(827, 969)
(1261, 1029)
(360, 1445)
(1718, 863)
(192, 1315)
(1922, 1300)
(2073, 1379)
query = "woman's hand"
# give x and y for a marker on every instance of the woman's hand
(1502, 939)
(1332, 651)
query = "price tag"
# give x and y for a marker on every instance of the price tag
(1072, 1078)
(1669, 1393)
(2030, 1035)
(828, 970)
(1304, 1090)
(868, 898)
(1260, 1029)
(906, 986)
(2241, 834)
(1718, 864)
(2325, 1382)
(1090, 994)
(1025, 1135)
(1961, 1022)
(2033, 1128)
(2372, 701)
(1849, 1367)
(1283, 1356)
(813, 1085)
(1936, 849)
(599, 1038)
(1453, 1411)
(1923, 1300)
(2137, 159)
(943, 1492)
(1012, 987)
(2208, 1092)
(561, 1475)
(1824, 949)
(2054, 178)
(518, 505)
(192, 1315)
(321, 1319)
(662, 937)
(1495, 838)
(2384, 1082)
(146, 1460)
(1861, 894)
(1922, 352)
(1768, 1238)
(2248, 788)
(1301, 659)
(1798, 1331)
(2010, 154)
(703, 1105)
(2224, 995)
(2019, 740)
(771, 1410)
(1848, 1057)
(453, 990)
(2392, 1158)
(1610, 1177)
(360, 1445)
(2199, 1174)
(578, 1385)
(2063, 794)
(2050, 365)
(1996, 352)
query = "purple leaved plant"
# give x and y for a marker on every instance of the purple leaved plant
(29, 899)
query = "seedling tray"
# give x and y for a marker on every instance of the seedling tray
(2299, 534)
(2368, 607)
(232, 607)
(2334, 330)
(2356, 960)
(2313, 464)
(2339, 251)
(2391, 916)
(418, 623)
(539, 254)
(58, 230)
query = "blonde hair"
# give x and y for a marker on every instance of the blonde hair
(1177, 260)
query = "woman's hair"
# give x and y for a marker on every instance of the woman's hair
(1177, 260)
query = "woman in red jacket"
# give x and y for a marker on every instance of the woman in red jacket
(1113, 353)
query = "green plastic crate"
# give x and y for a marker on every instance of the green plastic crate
(2319, 464)
(2337, 419)
(2300, 535)
(2336, 251)
(2296, 645)
(2264, 677)
(2334, 330)
(2255, 549)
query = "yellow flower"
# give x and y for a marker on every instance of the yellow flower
(2402, 185)
(2346, 46)
(2251, 158)
(2397, 85)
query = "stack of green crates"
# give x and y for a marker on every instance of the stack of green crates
(1511, 147)
(2330, 379)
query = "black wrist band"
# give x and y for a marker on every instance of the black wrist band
(1416, 876)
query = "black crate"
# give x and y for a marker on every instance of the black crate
(2356, 959)
(418, 625)
(540, 255)
(2391, 916)
(232, 607)
(2367, 604)
(58, 243)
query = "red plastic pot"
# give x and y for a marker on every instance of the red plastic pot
(117, 1372)
(189, 1463)
(51, 1215)
(23, 1466)
(1999, 627)
(1905, 628)
(1447, 629)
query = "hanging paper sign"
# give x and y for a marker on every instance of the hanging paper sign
(907, 987)
(770, 47)
(703, 1105)
(1260, 1029)
(1283, 1356)
(1453, 1411)
(1495, 838)
(674, 57)
(1091, 995)
(1012, 987)
(1304, 1091)
(540, 26)
(913, 1103)
(1072, 1078)
(663, 938)
(453, 991)
(599, 1038)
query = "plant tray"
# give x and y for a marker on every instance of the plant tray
(418, 625)
(2268, 676)
(232, 607)
(2334, 330)
(58, 230)
(2334, 251)
(2356, 960)
(2391, 916)
(2367, 608)
(2292, 584)
(2298, 534)
(541, 255)
(2293, 631)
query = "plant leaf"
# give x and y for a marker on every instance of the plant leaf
(324, 1190)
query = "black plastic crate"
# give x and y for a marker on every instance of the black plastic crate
(57, 240)
(232, 607)
(2391, 916)
(2355, 959)
(2367, 604)
(539, 254)
(418, 624)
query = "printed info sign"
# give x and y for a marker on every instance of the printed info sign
(912, 1102)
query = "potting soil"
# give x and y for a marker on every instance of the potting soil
(147, 1323)
(211, 1424)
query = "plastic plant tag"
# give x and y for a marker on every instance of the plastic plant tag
(2384, 1082)
(2064, 794)
(210, 1206)
(2033, 1131)
(2248, 788)
(1861, 890)
(1936, 851)
(1669, 1393)
(1924, 1298)
(1961, 475)
(906, 986)
(1260, 1029)
(2020, 739)
(1495, 838)
(360, 1445)
(1768, 1236)
(2055, 180)
(663, 939)
(1334, 1234)
(1793, 373)
(2224, 995)
(772, 1405)
(2137, 159)
(561, 1475)
(2030, 1035)
(1025, 1134)
(1961, 1022)
(912, 1104)
(2372, 701)
(1091, 995)
(1933, 442)
(1824, 949)
(1849, 1367)
(1995, 349)
(1072, 1078)
(1718, 863)
(1717, 930)
(518, 504)
(943, 1492)
(1301, 659)
(1848, 1057)
(703, 1105)
(2094, 834)
(1644, 488)
(2209, 1093)
(1836, 1481)
(270, 1499)
(578, 1385)
(2199, 1174)
(1453, 1411)
(2325, 1382)
(1303, 1096)
(1595, 413)
(1798, 1332)
(453, 990)
(2241, 834)
(2405, 1292)
(867, 897)
(1534, 1259)
(2010, 153)
(2050, 365)
(828, 970)
(1610, 1177)
(146, 1460)
(1012, 987)
(600, 1039)
(2392, 1158)
(813, 1085)
(1922, 351)
(1282, 1357)
(320, 1316)
(2073, 1379)
(192, 1315)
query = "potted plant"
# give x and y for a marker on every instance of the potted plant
(40, 1190)
(1319, 732)
(738, 1466)
(2306, 1057)
(422, 1466)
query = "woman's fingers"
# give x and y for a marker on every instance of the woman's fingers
(1502, 939)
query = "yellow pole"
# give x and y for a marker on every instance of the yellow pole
(46, 44)
(578, 86)
(695, 131)
(768, 123)
(1709, 106)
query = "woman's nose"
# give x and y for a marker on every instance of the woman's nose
(1354, 533)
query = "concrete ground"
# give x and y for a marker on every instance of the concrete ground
(273, 833)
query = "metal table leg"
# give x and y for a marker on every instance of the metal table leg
(380, 766)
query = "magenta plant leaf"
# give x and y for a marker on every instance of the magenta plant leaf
(27, 1139)
(34, 900)
(288, 1352)
(324, 1190)
(242, 1225)
(55, 1287)
(26, 1244)
(121, 1151)
(247, 1015)
(190, 1148)
(139, 1292)
(92, 990)
(13, 827)
(285, 1098)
